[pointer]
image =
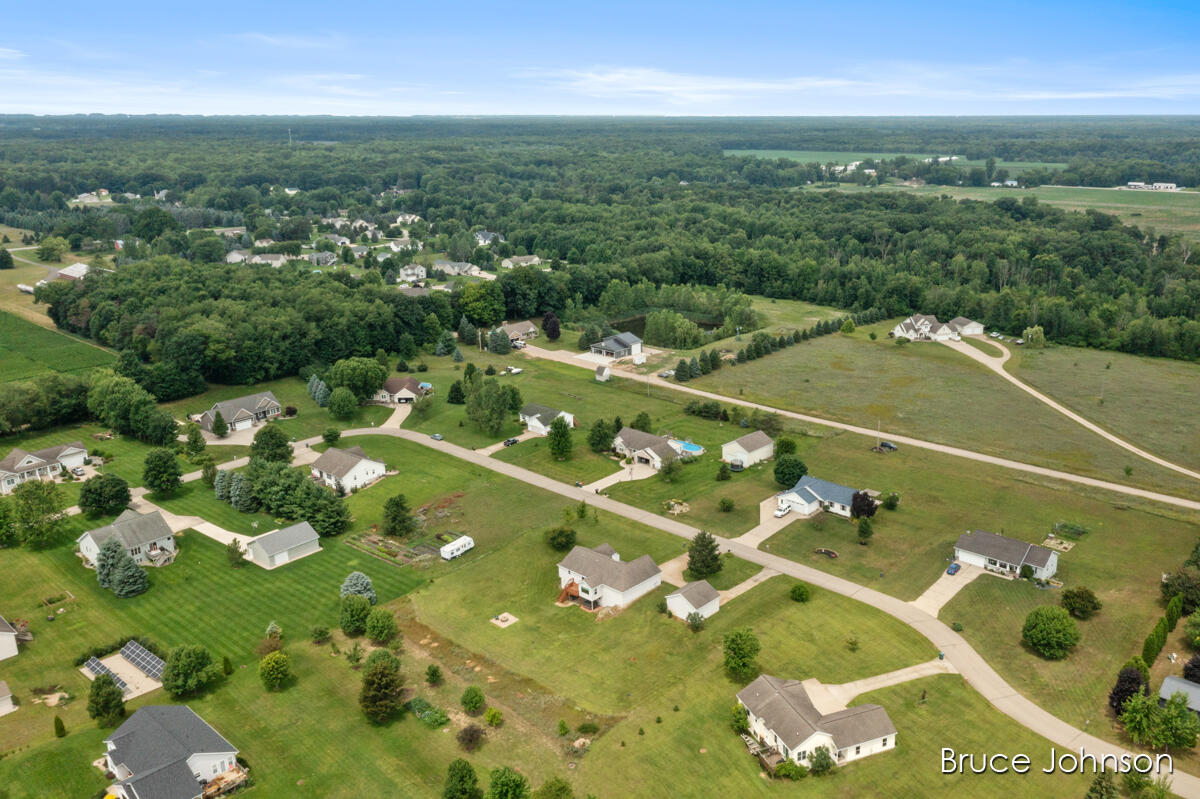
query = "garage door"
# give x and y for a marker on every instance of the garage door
(281, 558)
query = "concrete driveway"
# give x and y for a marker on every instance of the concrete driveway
(499, 445)
(832, 698)
(945, 587)
(768, 525)
(627, 472)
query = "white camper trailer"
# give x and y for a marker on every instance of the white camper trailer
(457, 547)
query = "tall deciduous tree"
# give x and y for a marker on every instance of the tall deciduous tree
(741, 648)
(103, 494)
(600, 436)
(342, 403)
(558, 440)
(38, 512)
(788, 470)
(106, 702)
(161, 472)
(188, 670)
(271, 444)
(461, 781)
(363, 376)
(507, 784)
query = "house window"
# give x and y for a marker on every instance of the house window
(857, 750)
(883, 742)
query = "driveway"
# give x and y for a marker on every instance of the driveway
(945, 587)
(177, 523)
(832, 698)
(745, 585)
(768, 524)
(398, 416)
(627, 472)
(672, 570)
(499, 445)
(996, 364)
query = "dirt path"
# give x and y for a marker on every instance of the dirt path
(867, 432)
(996, 364)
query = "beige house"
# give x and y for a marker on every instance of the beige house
(242, 413)
(19, 466)
(145, 536)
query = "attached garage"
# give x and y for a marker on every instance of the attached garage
(279, 547)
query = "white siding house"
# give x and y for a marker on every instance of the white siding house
(146, 537)
(698, 597)
(782, 716)
(8, 640)
(923, 327)
(811, 495)
(350, 469)
(285, 545)
(643, 447)
(999, 553)
(19, 466)
(538, 418)
(749, 449)
(166, 752)
(621, 345)
(598, 578)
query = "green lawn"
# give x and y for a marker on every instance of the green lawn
(28, 350)
(311, 419)
(583, 466)
(734, 570)
(1130, 395)
(931, 392)
(196, 499)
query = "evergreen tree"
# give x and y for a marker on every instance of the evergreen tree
(321, 393)
(106, 561)
(106, 702)
(445, 343)
(271, 444)
(398, 519)
(312, 385)
(468, 334)
(358, 583)
(714, 360)
(1103, 787)
(694, 367)
(498, 342)
(195, 440)
(683, 371)
(240, 495)
(642, 422)
(380, 694)
(704, 363)
(456, 395)
(457, 357)
(220, 428)
(558, 441)
(600, 437)
(60, 729)
(128, 579)
(704, 557)
(221, 485)
(461, 781)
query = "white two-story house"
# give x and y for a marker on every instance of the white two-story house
(598, 578)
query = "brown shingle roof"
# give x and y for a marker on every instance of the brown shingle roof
(600, 569)
(339, 462)
(753, 441)
(786, 710)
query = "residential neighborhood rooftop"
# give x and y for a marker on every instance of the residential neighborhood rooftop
(132, 529)
(1001, 547)
(339, 462)
(601, 568)
(697, 594)
(753, 441)
(786, 710)
(286, 538)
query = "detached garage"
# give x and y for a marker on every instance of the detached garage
(748, 450)
(698, 597)
(274, 549)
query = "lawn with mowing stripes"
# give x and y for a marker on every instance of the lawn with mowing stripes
(196, 499)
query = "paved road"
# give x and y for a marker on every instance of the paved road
(996, 364)
(982, 677)
(993, 460)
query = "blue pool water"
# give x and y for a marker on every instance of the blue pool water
(686, 446)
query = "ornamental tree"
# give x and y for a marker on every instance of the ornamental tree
(704, 556)
(274, 670)
(358, 583)
(103, 494)
(1050, 631)
(106, 702)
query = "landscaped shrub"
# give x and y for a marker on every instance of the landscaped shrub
(493, 717)
(588, 728)
(799, 593)
(319, 634)
(790, 770)
(1081, 602)
(429, 715)
(472, 699)
(725, 505)
(695, 622)
(60, 729)
(470, 737)
(560, 539)
(433, 675)
(274, 670)
(1050, 631)
(355, 609)
(381, 625)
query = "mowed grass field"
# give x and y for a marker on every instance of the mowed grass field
(1150, 402)
(27, 350)
(932, 392)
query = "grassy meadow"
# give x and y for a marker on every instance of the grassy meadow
(27, 350)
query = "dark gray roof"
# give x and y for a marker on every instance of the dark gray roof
(173, 781)
(132, 529)
(339, 462)
(599, 568)
(1001, 547)
(394, 384)
(786, 710)
(157, 736)
(621, 341)
(637, 439)
(245, 406)
(809, 487)
(543, 413)
(697, 594)
(1173, 684)
(753, 441)
(285, 538)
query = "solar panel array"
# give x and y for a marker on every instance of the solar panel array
(143, 659)
(98, 668)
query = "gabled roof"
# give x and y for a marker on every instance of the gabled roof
(697, 594)
(339, 462)
(599, 568)
(13, 460)
(543, 413)
(752, 441)
(132, 529)
(786, 710)
(1001, 547)
(517, 328)
(285, 538)
(620, 341)
(959, 322)
(395, 384)
(637, 439)
(6, 628)
(155, 744)
(810, 488)
(242, 407)
(1173, 684)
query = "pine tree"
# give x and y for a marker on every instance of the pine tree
(129, 579)
(221, 485)
(467, 333)
(705, 363)
(458, 356)
(600, 437)
(456, 395)
(238, 491)
(704, 557)
(321, 395)
(359, 583)
(60, 729)
(220, 428)
(312, 384)
(694, 367)
(106, 561)
(1103, 787)
(683, 371)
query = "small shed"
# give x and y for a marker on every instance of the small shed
(748, 450)
(278, 547)
(603, 373)
(698, 597)
(457, 547)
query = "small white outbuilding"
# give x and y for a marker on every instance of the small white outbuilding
(457, 547)
(748, 450)
(698, 597)
(278, 547)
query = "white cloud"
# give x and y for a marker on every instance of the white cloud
(8, 54)
(289, 40)
(678, 87)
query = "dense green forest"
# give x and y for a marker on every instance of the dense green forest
(635, 201)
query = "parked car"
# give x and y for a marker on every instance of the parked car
(518, 344)
(783, 511)
(77, 471)
(1020, 341)
(437, 436)
(667, 373)
(508, 442)
(889, 446)
(953, 570)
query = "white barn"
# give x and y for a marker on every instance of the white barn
(698, 597)
(8, 640)
(166, 752)
(811, 495)
(538, 418)
(999, 553)
(748, 450)
(598, 578)
(278, 547)
(146, 537)
(783, 717)
(349, 468)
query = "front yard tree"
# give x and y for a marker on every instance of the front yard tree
(1050, 631)
(106, 561)
(498, 342)
(398, 519)
(861, 505)
(1177, 726)
(359, 583)
(161, 472)
(188, 670)
(235, 553)
(461, 781)
(558, 441)
(1081, 602)
(106, 702)
(600, 437)
(342, 403)
(355, 609)
(381, 626)
(271, 444)
(1130, 681)
(456, 395)
(788, 470)
(683, 371)
(128, 579)
(822, 762)
(363, 376)
(472, 699)
(741, 649)
(38, 516)
(561, 539)
(103, 494)
(704, 556)
(1140, 715)
(865, 531)
(274, 670)
(550, 326)
(220, 427)
(507, 784)
(381, 687)
(195, 440)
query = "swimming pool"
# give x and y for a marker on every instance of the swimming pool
(687, 447)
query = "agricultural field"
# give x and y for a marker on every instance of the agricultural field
(931, 392)
(840, 157)
(1150, 402)
(27, 350)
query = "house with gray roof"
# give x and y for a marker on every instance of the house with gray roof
(999, 553)
(485, 237)
(598, 578)
(19, 465)
(242, 413)
(925, 327)
(167, 752)
(398, 390)
(520, 260)
(451, 268)
(284, 545)
(698, 597)
(520, 331)
(346, 469)
(621, 345)
(1172, 685)
(145, 536)
(643, 447)
(783, 717)
(811, 495)
(748, 450)
(538, 418)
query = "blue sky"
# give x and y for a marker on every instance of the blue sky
(671, 58)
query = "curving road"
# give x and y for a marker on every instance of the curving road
(996, 364)
(1007, 463)
(974, 669)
